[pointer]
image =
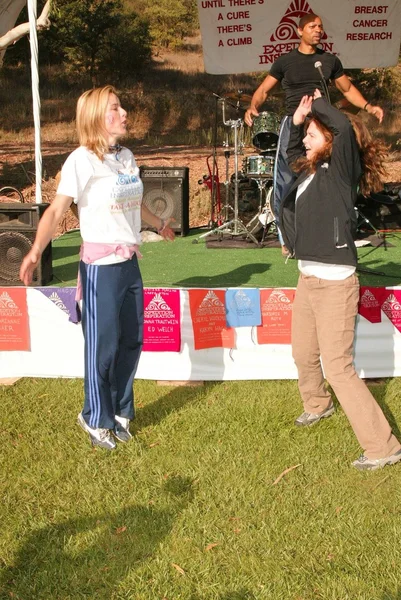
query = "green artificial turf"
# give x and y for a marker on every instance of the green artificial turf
(184, 263)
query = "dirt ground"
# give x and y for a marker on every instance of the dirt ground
(17, 169)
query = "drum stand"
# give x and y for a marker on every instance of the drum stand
(262, 183)
(235, 226)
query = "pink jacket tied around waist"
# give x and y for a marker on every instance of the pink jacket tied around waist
(93, 251)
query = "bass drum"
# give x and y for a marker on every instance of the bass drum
(265, 218)
(265, 130)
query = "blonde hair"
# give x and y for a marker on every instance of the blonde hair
(91, 110)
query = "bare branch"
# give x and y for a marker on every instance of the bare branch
(20, 31)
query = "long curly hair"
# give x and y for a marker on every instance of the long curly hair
(372, 154)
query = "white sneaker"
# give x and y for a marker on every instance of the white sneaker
(98, 436)
(363, 463)
(307, 419)
(121, 429)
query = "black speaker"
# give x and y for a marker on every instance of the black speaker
(166, 194)
(18, 226)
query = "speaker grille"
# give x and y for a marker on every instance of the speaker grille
(13, 247)
(18, 225)
(166, 194)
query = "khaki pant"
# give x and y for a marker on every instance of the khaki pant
(323, 326)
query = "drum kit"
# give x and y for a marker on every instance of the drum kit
(257, 169)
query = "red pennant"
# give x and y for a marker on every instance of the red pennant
(370, 303)
(14, 322)
(392, 307)
(208, 313)
(276, 307)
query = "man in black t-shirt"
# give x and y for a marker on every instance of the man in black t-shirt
(299, 76)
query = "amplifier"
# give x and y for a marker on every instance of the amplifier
(18, 225)
(166, 194)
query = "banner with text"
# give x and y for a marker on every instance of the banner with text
(392, 307)
(370, 303)
(240, 36)
(276, 316)
(64, 299)
(162, 330)
(243, 308)
(14, 323)
(208, 315)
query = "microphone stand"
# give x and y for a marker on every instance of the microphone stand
(318, 66)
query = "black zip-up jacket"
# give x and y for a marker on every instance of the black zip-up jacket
(321, 225)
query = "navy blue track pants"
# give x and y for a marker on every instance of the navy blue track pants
(112, 322)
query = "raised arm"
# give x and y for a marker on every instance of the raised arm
(345, 152)
(259, 97)
(295, 145)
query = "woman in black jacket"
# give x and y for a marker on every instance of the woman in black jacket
(318, 225)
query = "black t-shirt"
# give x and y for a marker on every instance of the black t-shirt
(299, 76)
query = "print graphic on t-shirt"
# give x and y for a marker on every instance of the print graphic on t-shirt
(126, 191)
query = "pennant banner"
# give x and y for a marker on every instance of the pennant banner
(14, 323)
(162, 330)
(276, 316)
(208, 316)
(243, 308)
(370, 303)
(64, 299)
(241, 36)
(392, 307)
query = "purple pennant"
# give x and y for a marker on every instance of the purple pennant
(64, 298)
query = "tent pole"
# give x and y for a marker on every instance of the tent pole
(33, 40)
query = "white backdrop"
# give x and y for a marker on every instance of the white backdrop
(57, 351)
(241, 36)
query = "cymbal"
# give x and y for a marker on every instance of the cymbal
(243, 99)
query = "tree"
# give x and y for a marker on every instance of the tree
(97, 39)
(170, 20)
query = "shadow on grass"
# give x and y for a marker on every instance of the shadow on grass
(241, 594)
(391, 596)
(91, 556)
(387, 411)
(239, 276)
(153, 414)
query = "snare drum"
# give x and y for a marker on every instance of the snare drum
(258, 166)
(265, 130)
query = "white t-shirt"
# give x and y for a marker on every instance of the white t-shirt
(108, 194)
(313, 268)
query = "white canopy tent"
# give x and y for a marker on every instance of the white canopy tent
(9, 11)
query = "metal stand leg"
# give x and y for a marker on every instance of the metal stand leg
(234, 227)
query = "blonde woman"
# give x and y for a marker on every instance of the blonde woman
(102, 179)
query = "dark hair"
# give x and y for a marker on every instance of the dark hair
(372, 154)
(308, 18)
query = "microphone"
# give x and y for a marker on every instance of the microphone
(318, 66)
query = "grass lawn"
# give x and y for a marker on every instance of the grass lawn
(188, 264)
(193, 508)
